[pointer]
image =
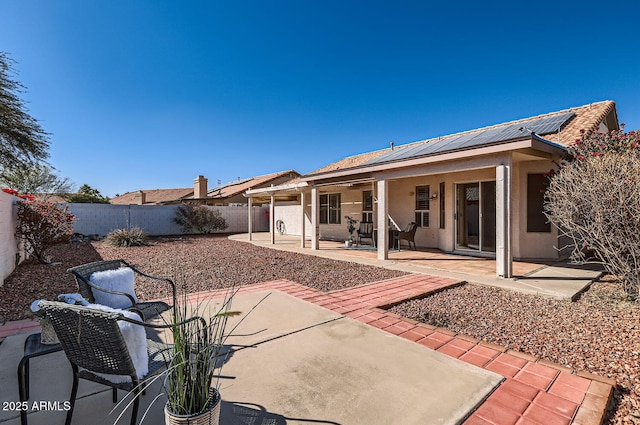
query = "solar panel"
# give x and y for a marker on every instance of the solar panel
(477, 138)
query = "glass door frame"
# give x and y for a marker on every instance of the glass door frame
(481, 230)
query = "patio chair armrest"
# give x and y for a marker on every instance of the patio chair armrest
(167, 280)
(99, 288)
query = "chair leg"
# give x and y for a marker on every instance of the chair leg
(136, 401)
(74, 393)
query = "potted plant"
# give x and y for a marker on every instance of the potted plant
(199, 352)
(351, 227)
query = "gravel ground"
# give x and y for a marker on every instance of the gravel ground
(599, 333)
(196, 263)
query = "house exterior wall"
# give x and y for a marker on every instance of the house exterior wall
(525, 245)
(530, 245)
(290, 213)
(11, 251)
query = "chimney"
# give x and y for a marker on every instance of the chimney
(200, 187)
(141, 197)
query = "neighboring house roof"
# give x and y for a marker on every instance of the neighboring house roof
(561, 127)
(170, 196)
(153, 196)
(241, 186)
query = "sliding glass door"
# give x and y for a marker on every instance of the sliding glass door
(476, 216)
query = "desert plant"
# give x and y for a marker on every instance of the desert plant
(351, 226)
(132, 236)
(199, 219)
(594, 199)
(198, 351)
(42, 225)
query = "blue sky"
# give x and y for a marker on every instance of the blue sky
(146, 94)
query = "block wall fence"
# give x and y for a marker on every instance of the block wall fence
(100, 219)
(156, 220)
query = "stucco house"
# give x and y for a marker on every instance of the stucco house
(479, 192)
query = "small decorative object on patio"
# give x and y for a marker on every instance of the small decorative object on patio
(48, 335)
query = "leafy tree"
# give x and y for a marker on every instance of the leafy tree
(22, 140)
(38, 178)
(199, 219)
(594, 199)
(41, 225)
(88, 195)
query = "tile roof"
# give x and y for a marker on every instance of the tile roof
(242, 185)
(154, 196)
(587, 117)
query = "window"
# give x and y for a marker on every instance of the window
(330, 209)
(367, 205)
(422, 206)
(442, 215)
(536, 220)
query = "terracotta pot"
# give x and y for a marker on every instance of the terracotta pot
(209, 416)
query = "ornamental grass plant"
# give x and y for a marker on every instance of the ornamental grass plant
(199, 352)
(132, 236)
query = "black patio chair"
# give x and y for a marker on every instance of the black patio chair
(365, 231)
(147, 310)
(409, 235)
(92, 340)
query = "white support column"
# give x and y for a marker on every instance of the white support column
(383, 221)
(302, 202)
(315, 217)
(272, 219)
(250, 215)
(504, 258)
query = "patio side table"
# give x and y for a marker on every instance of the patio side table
(32, 348)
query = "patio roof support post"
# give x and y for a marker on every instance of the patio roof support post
(302, 202)
(272, 218)
(504, 257)
(315, 216)
(383, 221)
(250, 218)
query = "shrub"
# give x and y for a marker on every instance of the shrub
(594, 199)
(133, 236)
(199, 219)
(41, 225)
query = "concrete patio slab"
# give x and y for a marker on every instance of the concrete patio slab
(342, 371)
(557, 280)
(302, 364)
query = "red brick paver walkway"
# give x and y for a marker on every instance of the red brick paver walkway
(534, 391)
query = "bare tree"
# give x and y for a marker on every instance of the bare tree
(36, 179)
(594, 199)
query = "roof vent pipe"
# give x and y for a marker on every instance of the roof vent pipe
(392, 145)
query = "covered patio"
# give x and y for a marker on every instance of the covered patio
(478, 193)
(557, 279)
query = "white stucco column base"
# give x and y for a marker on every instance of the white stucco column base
(504, 257)
(272, 219)
(302, 219)
(250, 215)
(383, 222)
(315, 216)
